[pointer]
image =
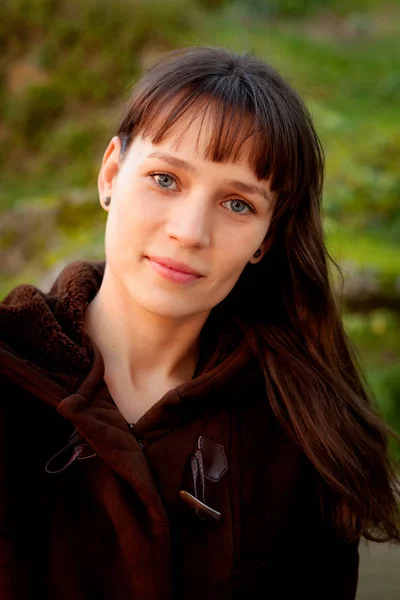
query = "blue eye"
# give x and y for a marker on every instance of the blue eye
(162, 179)
(241, 203)
(251, 209)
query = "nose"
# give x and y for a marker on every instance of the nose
(189, 221)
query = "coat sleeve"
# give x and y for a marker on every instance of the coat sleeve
(328, 565)
(303, 568)
(8, 543)
(19, 549)
(338, 567)
(317, 569)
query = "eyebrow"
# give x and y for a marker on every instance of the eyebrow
(247, 188)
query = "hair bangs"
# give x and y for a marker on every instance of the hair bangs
(228, 120)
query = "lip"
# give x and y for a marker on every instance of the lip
(173, 264)
(178, 277)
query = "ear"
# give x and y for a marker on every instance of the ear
(264, 247)
(109, 170)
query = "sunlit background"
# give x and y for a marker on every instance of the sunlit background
(66, 67)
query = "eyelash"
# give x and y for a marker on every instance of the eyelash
(246, 202)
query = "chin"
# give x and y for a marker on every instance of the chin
(165, 307)
(170, 313)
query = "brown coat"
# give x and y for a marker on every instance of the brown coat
(90, 508)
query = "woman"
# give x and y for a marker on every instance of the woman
(184, 419)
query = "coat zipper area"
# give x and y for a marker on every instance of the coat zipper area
(141, 444)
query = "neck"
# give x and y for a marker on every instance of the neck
(136, 344)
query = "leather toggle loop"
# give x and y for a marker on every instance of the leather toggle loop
(208, 462)
(76, 449)
(202, 510)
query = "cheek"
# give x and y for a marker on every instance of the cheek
(121, 235)
(231, 265)
(131, 216)
(139, 204)
(235, 249)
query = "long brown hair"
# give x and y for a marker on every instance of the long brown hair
(285, 303)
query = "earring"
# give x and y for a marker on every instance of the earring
(257, 253)
(107, 200)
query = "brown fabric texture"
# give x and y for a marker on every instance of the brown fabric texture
(91, 508)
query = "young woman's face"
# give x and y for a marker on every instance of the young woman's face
(169, 202)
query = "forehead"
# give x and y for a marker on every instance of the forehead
(206, 132)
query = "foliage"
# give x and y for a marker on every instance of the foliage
(302, 8)
(92, 56)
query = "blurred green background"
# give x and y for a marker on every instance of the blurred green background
(66, 68)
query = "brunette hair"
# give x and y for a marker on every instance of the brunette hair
(285, 303)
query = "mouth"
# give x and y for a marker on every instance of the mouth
(175, 265)
(173, 275)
